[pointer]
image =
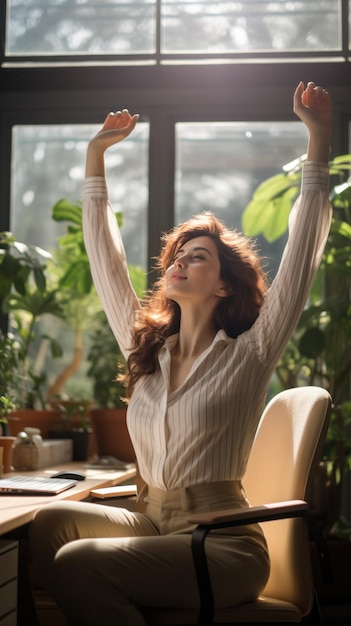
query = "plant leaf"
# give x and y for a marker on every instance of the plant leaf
(65, 211)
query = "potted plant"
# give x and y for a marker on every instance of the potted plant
(318, 352)
(76, 293)
(74, 423)
(109, 413)
(8, 366)
(34, 283)
(24, 294)
(34, 286)
(108, 416)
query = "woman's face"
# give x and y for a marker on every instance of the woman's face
(195, 272)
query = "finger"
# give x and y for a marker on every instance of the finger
(127, 120)
(308, 94)
(318, 92)
(123, 117)
(110, 120)
(298, 94)
(311, 95)
(315, 97)
(127, 128)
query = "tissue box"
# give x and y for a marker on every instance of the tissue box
(27, 456)
(55, 451)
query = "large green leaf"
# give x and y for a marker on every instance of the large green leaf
(65, 211)
(36, 303)
(270, 217)
(341, 227)
(340, 163)
(20, 281)
(340, 195)
(78, 276)
(273, 187)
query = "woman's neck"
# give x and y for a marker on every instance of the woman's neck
(196, 333)
(193, 340)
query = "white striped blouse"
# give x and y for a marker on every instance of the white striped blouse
(203, 431)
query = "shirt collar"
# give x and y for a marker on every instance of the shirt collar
(171, 341)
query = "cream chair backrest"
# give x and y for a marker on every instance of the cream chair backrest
(285, 452)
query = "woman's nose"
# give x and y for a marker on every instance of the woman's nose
(180, 261)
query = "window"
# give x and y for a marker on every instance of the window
(156, 31)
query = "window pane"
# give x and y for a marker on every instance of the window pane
(261, 25)
(48, 164)
(220, 164)
(59, 27)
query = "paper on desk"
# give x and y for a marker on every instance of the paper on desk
(114, 492)
(108, 462)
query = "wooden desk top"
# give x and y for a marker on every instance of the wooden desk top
(15, 511)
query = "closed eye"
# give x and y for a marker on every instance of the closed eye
(194, 254)
(198, 256)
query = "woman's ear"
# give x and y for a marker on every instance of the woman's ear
(224, 290)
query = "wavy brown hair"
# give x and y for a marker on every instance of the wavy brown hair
(240, 269)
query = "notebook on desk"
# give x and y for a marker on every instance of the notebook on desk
(34, 485)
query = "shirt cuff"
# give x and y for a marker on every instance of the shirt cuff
(95, 186)
(315, 176)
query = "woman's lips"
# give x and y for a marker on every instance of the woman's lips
(177, 277)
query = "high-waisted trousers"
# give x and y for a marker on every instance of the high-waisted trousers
(102, 564)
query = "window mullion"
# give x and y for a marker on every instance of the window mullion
(345, 28)
(161, 182)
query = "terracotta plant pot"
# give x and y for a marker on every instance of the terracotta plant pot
(7, 443)
(45, 420)
(111, 434)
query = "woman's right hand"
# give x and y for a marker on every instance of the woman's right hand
(116, 127)
(313, 106)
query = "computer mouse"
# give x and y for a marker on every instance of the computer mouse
(69, 474)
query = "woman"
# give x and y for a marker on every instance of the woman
(201, 352)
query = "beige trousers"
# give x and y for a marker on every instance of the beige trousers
(100, 563)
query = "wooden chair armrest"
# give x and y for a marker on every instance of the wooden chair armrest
(250, 515)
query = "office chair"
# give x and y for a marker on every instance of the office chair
(286, 451)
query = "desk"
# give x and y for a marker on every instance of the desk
(16, 511)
